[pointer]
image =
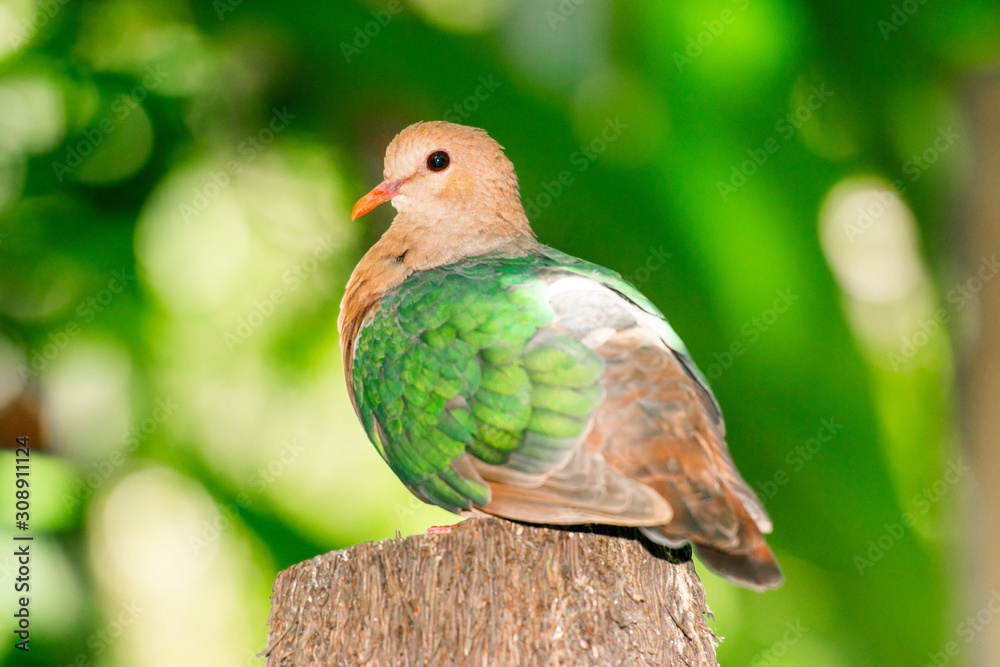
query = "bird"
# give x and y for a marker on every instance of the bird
(498, 376)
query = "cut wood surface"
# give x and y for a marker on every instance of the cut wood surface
(493, 592)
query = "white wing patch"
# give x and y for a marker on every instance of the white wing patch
(660, 327)
(594, 312)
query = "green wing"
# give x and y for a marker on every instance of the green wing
(484, 358)
(461, 359)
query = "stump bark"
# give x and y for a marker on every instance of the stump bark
(979, 362)
(493, 592)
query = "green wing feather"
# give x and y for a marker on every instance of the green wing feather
(462, 359)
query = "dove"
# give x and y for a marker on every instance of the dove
(496, 375)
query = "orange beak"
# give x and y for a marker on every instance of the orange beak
(382, 192)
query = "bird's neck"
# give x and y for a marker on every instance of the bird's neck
(409, 246)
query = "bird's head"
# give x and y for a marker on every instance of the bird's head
(445, 176)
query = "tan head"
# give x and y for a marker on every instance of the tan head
(451, 179)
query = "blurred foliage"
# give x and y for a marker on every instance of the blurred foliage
(175, 187)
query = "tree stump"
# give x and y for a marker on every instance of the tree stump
(493, 592)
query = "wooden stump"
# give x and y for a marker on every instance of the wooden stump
(493, 592)
(979, 357)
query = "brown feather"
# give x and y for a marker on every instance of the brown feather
(583, 490)
(656, 427)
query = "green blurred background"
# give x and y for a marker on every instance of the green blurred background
(790, 181)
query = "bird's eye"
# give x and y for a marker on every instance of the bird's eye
(438, 161)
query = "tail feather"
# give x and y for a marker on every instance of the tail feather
(756, 568)
(744, 558)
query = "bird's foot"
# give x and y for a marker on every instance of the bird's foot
(440, 530)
